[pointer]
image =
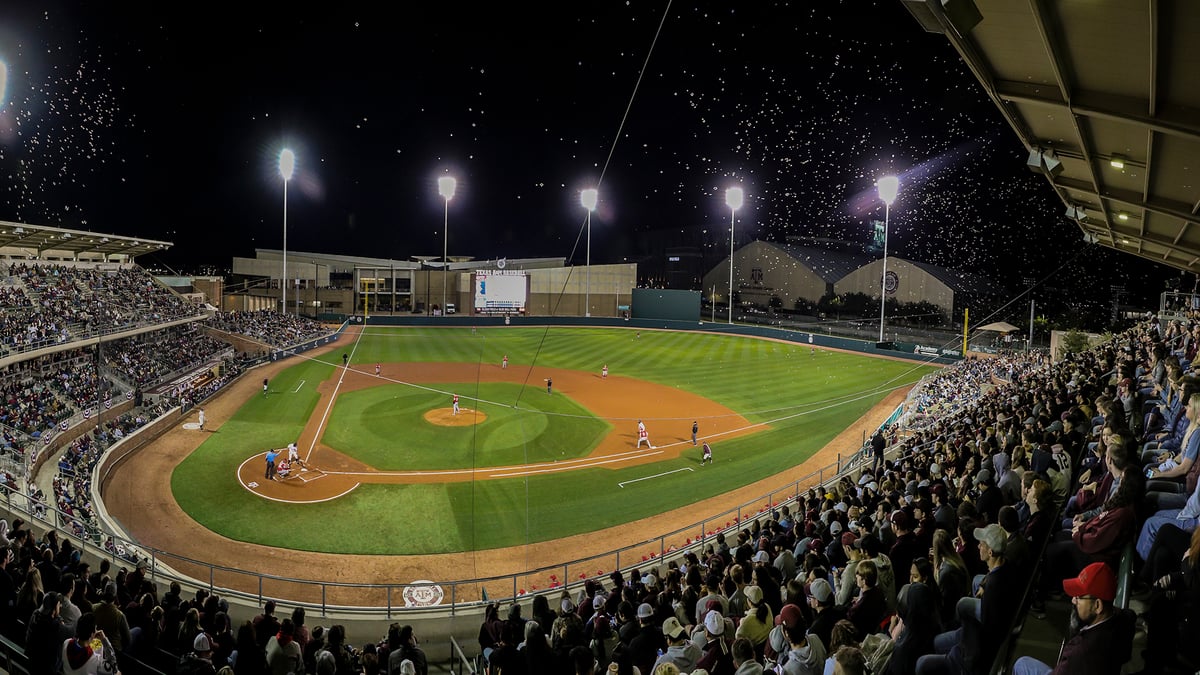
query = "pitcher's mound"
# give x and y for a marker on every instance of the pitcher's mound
(446, 417)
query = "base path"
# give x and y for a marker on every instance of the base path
(667, 411)
(138, 494)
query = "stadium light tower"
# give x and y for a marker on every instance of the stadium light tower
(287, 166)
(889, 187)
(588, 199)
(733, 199)
(446, 185)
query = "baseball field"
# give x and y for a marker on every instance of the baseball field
(389, 469)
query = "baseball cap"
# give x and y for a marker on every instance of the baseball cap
(848, 538)
(567, 606)
(645, 611)
(202, 643)
(754, 595)
(835, 527)
(1097, 579)
(762, 557)
(789, 615)
(821, 591)
(983, 476)
(993, 535)
(598, 601)
(649, 580)
(672, 629)
(714, 623)
(899, 518)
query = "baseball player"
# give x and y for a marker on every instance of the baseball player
(376, 370)
(264, 386)
(643, 435)
(202, 419)
(604, 371)
(706, 454)
(549, 385)
(504, 362)
(695, 430)
(456, 404)
(293, 453)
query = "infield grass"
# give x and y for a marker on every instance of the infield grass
(805, 398)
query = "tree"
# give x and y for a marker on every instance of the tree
(1073, 342)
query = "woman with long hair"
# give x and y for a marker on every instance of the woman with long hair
(952, 577)
(29, 597)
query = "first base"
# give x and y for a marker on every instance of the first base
(654, 447)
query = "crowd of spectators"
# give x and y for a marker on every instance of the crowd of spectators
(1036, 488)
(145, 359)
(47, 303)
(276, 329)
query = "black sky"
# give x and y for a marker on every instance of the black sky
(166, 121)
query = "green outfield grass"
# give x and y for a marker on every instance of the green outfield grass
(806, 398)
(384, 427)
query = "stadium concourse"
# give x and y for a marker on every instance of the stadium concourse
(1024, 485)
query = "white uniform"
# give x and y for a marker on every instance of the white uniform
(293, 452)
(643, 435)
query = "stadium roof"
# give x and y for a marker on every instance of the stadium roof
(21, 239)
(830, 265)
(1104, 95)
(957, 281)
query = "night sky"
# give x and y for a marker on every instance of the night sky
(166, 123)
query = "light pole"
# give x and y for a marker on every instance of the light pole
(446, 186)
(588, 199)
(733, 199)
(287, 166)
(888, 187)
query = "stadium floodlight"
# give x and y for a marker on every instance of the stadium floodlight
(588, 198)
(733, 199)
(446, 185)
(889, 187)
(287, 167)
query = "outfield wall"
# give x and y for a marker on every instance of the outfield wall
(902, 350)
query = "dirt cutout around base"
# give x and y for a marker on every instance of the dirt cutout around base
(446, 417)
(138, 494)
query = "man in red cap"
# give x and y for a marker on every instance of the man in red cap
(1100, 634)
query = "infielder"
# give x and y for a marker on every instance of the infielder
(604, 371)
(376, 370)
(504, 362)
(706, 455)
(456, 404)
(643, 435)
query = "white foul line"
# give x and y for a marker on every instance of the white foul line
(657, 475)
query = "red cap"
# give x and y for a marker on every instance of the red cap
(848, 538)
(1097, 580)
(789, 615)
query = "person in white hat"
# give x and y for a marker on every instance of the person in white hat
(717, 657)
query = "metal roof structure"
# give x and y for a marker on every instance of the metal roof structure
(1104, 96)
(39, 241)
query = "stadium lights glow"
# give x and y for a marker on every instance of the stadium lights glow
(588, 199)
(1122, 216)
(889, 187)
(734, 198)
(446, 186)
(3, 81)
(1117, 161)
(287, 167)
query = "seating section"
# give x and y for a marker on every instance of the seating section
(273, 328)
(47, 303)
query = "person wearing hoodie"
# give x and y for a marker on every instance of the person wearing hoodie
(913, 628)
(283, 652)
(743, 658)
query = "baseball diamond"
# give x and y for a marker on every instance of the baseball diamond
(535, 482)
